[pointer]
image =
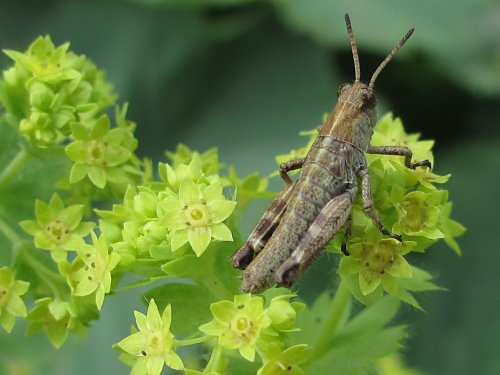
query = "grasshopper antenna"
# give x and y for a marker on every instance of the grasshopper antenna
(389, 57)
(354, 48)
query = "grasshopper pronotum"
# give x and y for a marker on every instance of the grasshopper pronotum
(305, 216)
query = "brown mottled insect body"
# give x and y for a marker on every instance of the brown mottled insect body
(329, 170)
(305, 216)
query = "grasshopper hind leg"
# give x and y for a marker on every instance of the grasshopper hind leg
(264, 229)
(328, 222)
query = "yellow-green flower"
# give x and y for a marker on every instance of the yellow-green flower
(57, 228)
(92, 269)
(45, 61)
(56, 318)
(419, 212)
(152, 345)
(11, 304)
(197, 214)
(282, 312)
(377, 263)
(98, 151)
(238, 324)
(285, 362)
(209, 160)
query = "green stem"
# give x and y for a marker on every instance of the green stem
(9, 233)
(194, 341)
(47, 276)
(14, 166)
(340, 303)
(213, 364)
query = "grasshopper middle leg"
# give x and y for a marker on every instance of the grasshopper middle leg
(366, 195)
(401, 151)
(290, 166)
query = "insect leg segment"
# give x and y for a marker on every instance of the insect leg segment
(264, 229)
(328, 222)
(401, 151)
(366, 196)
(348, 232)
(290, 166)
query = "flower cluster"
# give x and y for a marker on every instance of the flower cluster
(49, 88)
(186, 207)
(244, 324)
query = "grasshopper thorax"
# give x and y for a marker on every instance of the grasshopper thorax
(354, 116)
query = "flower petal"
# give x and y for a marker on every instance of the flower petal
(248, 352)
(77, 173)
(223, 311)
(199, 239)
(189, 192)
(97, 176)
(400, 268)
(153, 316)
(178, 239)
(220, 209)
(173, 360)
(213, 192)
(221, 232)
(368, 281)
(155, 365)
(134, 344)
(166, 317)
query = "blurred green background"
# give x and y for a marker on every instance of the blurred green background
(247, 76)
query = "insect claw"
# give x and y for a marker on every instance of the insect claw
(397, 237)
(423, 163)
(393, 235)
(344, 249)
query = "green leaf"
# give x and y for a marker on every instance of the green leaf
(190, 305)
(323, 21)
(362, 340)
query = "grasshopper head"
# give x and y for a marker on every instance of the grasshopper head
(354, 116)
(361, 97)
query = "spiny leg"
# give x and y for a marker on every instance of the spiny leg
(264, 229)
(290, 166)
(401, 151)
(348, 232)
(366, 196)
(328, 222)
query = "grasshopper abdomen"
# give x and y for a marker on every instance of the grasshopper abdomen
(328, 171)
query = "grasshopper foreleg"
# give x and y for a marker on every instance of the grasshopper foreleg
(401, 151)
(264, 229)
(290, 166)
(328, 222)
(366, 195)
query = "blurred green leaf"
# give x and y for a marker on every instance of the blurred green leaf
(362, 340)
(191, 302)
(469, 58)
(21, 172)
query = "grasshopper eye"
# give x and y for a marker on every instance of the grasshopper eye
(367, 97)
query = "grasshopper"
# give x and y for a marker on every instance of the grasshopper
(305, 216)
